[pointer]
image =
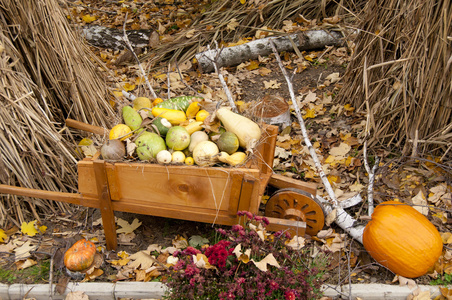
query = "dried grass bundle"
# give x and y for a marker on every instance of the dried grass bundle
(401, 75)
(47, 76)
(214, 24)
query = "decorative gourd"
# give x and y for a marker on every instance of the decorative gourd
(247, 131)
(80, 256)
(402, 239)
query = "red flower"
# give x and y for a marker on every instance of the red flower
(289, 295)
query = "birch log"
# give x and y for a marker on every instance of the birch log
(232, 56)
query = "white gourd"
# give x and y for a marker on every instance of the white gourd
(247, 131)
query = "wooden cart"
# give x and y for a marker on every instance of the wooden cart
(202, 194)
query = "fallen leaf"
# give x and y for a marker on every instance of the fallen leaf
(310, 113)
(126, 227)
(201, 261)
(29, 228)
(232, 24)
(420, 203)
(88, 19)
(25, 264)
(296, 243)
(172, 260)
(405, 282)
(264, 71)
(340, 151)
(253, 65)
(141, 260)
(190, 33)
(3, 236)
(154, 40)
(331, 217)
(180, 242)
(243, 257)
(197, 241)
(268, 260)
(272, 84)
(23, 251)
(77, 295)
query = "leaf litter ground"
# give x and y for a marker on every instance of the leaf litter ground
(336, 132)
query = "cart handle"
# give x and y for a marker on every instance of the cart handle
(86, 127)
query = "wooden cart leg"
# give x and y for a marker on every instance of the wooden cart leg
(106, 209)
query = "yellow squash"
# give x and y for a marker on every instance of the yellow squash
(175, 117)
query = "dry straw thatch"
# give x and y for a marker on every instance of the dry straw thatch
(213, 24)
(401, 75)
(47, 76)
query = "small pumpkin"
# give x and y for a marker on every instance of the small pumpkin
(80, 256)
(402, 239)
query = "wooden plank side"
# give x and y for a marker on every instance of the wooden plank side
(282, 182)
(86, 178)
(183, 186)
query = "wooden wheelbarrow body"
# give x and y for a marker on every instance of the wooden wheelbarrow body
(202, 194)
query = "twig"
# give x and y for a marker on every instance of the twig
(340, 216)
(183, 81)
(168, 81)
(314, 156)
(371, 173)
(52, 260)
(129, 45)
(220, 76)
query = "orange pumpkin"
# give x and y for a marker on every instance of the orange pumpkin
(402, 239)
(80, 256)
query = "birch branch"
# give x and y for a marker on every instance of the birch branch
(341, 217)
(231, 56)
(214, 59)
(129, 45)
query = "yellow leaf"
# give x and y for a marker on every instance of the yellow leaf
(88, 19)
(253, 65)
(348, 107)
(140, 80)
(242, 1)
(117, 94)
(128, 87)
(3, 236)
(265, 199)
(29, 228)
(123, 254)
(43, 229)
(310, 113)
(120, 262)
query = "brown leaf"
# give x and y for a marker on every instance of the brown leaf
(154, 39)
(61, 286)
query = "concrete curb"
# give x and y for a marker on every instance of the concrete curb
(156, 290)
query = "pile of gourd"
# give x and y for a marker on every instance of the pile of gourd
(175, 131)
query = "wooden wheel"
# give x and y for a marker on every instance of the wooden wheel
(297, 205)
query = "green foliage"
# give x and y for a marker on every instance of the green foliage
(445, 279)
(37, 273)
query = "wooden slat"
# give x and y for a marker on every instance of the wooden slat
(106, 209)
(282, 182)
(73, 198)
(294, 227)
(246, 196)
